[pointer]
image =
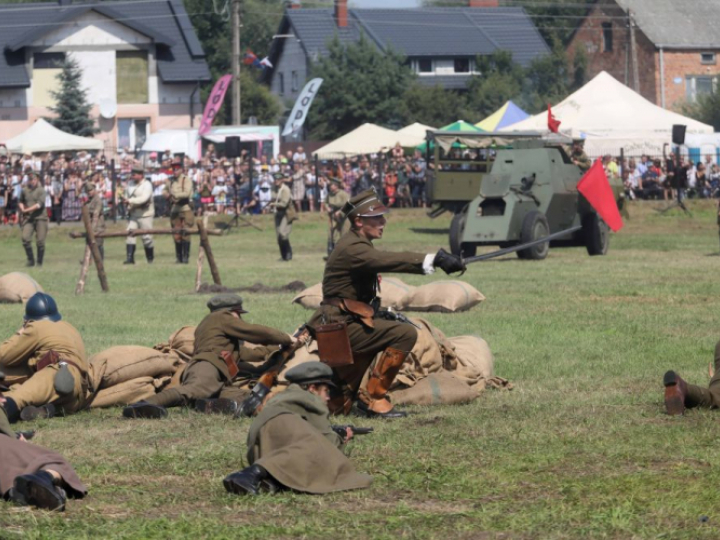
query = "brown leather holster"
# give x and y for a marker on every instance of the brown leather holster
(381, 378)
(364, 312)
(227, 356)
(51, 358)
(334, 344)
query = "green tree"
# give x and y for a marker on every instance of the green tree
(257, 100)
(500, 79)
(71, 104)
(547, 80)
(706, 109)
(361, 84)
(432, 105)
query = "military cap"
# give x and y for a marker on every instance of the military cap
(578, 140)
(177, 162)
(365, 204)
(88, 187)
(226, 301)
(335, 180)
(278, 176)
(138, 169)
(311, 373)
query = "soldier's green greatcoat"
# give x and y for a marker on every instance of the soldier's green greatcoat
(180, 190)
(37, 220)
(292, 440)
(335, 202)
(284, 212)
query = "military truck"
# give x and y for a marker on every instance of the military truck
(529, 192)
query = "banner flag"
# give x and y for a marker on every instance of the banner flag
(214, 102)
(302, 106)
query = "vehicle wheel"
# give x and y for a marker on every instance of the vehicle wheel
(457, 227)
(596, 234)
(534, 226)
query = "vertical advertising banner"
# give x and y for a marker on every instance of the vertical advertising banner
(302, 106)
(214, 103)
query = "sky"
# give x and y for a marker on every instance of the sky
(385, 3)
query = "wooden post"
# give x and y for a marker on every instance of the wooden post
(198, 272)
(80, 287)
(205, 243)
(94, 249)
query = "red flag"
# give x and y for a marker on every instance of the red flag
(595, 187)
(553, 123)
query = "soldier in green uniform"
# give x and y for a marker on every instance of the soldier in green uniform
(44, 364)
(350, 286)
(578, 155)
(219, 355)
(95, 209)
(33, 218)
(285, 214)
(179, 190)
(291, 443)
(336, 200)
(680, 395)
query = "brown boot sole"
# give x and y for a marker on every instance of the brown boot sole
(674, 397)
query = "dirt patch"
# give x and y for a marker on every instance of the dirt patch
(258, 288)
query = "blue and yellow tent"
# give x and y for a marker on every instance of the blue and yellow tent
(506, 115)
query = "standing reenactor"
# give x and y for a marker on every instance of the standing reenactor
(179, 190)
(219, 356)
(141, 211)
(284, 216)
(291, 443)
(33, 218)
(578, 155)
(350, 288)
(44, 365)
(95, 209)
(336, 201)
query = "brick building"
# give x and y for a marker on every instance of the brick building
(667, 50)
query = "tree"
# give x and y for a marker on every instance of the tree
(72, 107)
(432, 106)
(258, 101)
(361, 84)
(500, 79)
(706, 109)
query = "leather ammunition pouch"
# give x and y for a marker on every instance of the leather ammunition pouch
(51, 358)
(334, 344)
(362, 311)
(230, 363)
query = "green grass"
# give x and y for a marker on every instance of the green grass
(580, 448)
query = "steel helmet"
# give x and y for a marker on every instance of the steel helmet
(41, 306)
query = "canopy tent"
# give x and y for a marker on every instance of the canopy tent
(607, 114)
(366, 139)
(458, 126)
(178, 141)
(416, 130)
(43, 137)
(506, 115)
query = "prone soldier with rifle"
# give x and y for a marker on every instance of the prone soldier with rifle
(179, 190)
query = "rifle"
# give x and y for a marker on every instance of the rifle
(330, 242)
(342, 430)
(268, 378)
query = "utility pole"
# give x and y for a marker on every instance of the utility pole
(236, 63)
(633, 53)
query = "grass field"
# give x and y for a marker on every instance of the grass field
(580, 448)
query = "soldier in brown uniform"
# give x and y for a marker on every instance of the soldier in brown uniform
(578, 155)
(33, 218)
(95, 209)
(679, 395)
(291, 443)
(179, 190)
(350, 286)
(44, 364)
(218, 357)
(336, 200)
(285, 214)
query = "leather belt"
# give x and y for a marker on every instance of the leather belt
(362, 311)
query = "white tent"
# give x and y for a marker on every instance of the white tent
(367, 139)
(178, 141)
(610, 116)
(43, 137)
(416, 130)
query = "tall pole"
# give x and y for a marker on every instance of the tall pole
(236, 63)
(633, 53)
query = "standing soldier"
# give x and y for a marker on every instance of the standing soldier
(33, 218)
(44, 365)
(219, 355)
(350, 287)
(95, 209)
(179, 190)
(141, 210)
(578, 155)
(284, 216)
(336, 200)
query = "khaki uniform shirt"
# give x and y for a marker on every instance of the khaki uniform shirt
(221, 332)
(583, 161)
(95, 208)
(335, 201)
(30, 197)
(141, 200)
(30, 344)
(181, 192)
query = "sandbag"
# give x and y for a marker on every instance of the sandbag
(17, 287)
(440, 388)
(394, 293)
(183, 342)
(444, 297)
(425, 357)
(128, 392)
(310, 298)
(124, 363)
(474, 360)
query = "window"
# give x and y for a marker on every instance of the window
(462, 65)
(699, 86)
(707, 58)
(607, 37)
(46, 68)
(281, 83)
(295, 82)
(132, 76)
(424, 65)
(132, 132)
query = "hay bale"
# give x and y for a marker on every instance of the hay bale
(310, 298)
(17, 287)
(440, 388)
(445, 297)
(475, 361)
(394, 293)
(124, 363)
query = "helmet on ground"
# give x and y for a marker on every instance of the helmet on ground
(41, 306)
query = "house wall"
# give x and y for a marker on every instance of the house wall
(291, 60)
(678, 66)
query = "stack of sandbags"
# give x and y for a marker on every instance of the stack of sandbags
(181, 343)
(17, 287)
(126, 374)
(448, 296)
